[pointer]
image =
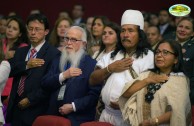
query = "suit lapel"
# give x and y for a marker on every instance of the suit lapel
(81, 66)
(25, 53)
(41, 53)
(42, 50)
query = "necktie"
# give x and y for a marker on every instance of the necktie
(23, 78)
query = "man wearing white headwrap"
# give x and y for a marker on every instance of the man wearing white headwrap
(122, 65)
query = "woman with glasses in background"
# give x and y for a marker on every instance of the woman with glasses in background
(154, 98)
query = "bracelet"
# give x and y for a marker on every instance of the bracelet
(108, 70)
(156, 121)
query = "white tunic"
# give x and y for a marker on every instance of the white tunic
(103, 53)
(116, 82)
(4, 74)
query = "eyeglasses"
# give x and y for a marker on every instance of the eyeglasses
(66, 39)
(34, 29)
(163, 52)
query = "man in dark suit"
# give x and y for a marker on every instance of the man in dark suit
(77, 14)
(188, 58)
(29, 65)
(164, 23)
(68, 80)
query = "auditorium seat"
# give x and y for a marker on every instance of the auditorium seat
(50, 120)
(95, 123)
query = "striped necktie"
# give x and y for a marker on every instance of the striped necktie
(23, 78)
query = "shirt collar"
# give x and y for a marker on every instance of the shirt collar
(39, 46)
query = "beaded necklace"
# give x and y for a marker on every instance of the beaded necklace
(151, 90)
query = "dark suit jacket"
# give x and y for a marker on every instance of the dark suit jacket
(168, 30)
(32, 89)
(77, 90)
(188, 58)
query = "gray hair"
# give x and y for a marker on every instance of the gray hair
(84, 34)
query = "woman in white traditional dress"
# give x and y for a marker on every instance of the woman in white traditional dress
(110, 40)
(159, 96)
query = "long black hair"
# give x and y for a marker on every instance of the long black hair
(142, 46)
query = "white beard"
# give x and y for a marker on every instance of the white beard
(74, 58)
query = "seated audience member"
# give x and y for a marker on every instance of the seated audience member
(154, 98)
(153, 35)
(68, 80)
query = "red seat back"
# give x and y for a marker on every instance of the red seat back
(50, 120)
(94, 123)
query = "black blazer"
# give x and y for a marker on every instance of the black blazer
(188, 59)
(32, 89)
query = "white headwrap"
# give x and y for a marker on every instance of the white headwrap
(134, 17)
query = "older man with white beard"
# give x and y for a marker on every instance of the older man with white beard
(68, 80)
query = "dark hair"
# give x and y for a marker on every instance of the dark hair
(157, 28)
(3, 17)
(90, 39)
(142, 46)
(164, 9)
(40, 17)
(22, 29)
(2, 55)
(177, 49)
(104, 20)
(83, 9)
(118, 47)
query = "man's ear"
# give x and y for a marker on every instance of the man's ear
(46, 32)
(84, 45)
